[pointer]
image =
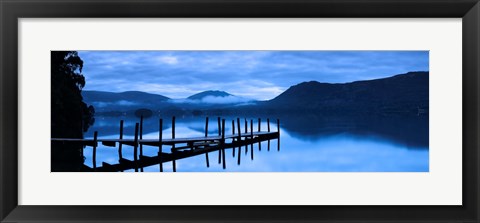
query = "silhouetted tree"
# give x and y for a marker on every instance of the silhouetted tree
(70, 116)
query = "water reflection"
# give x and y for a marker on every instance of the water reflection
(308, 143)
(410, 131)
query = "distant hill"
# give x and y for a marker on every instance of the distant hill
(400, 93)
(111, 101)
(134, 96)
(204, 94)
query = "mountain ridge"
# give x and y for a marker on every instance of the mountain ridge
(213, 93)
(125, 95)
(398, 92)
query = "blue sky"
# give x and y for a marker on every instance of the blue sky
(257, 75)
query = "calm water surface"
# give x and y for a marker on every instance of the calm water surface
(307, 144)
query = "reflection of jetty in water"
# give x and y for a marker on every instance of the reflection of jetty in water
(180, 148)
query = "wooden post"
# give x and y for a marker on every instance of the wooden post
(239, 130)
(81, 131)
(259, 124)
(219, 127)
(160, 145)
(219, 156)
(246, 131)
(246, 128)
(94, 157)
(219, 133)
(135, 148)
(120, 144)
(233, 139)
(251, 135)
(268, 124)
(206, 135)
(174, 164)
(223, 144)
(173, 127)
(120, 156)
(259, 129)
(239, 140)
(268, 130)
(141, 137)
(278, 130)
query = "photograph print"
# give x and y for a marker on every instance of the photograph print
(240, 111)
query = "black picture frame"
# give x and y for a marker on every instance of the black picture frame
(12, 10)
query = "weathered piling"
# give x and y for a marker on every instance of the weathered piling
(219, 133)
(206, 135)
(239, 139)
(233, 139)
(120, 156)
(219, 127)
(173, 127)
(222, 143)
(141, 137)
(278, 130)
(246, 131)
(251, 136)
(268, 125)
(160, 146)
(135, 148)
(259, 129)
(173, 150)
(259, 124)
(94, 156)
(268, 130)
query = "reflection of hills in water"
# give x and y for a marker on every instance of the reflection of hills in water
(110, 125)
(410, 131)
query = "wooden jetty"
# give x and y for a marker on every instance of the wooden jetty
(181, 148)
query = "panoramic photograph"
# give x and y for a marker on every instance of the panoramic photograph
(240, 111)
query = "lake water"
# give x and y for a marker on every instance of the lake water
(308, 143)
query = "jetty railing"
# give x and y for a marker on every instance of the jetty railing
(181, 148)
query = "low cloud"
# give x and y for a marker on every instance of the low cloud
(117, 103)
(224, 100)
